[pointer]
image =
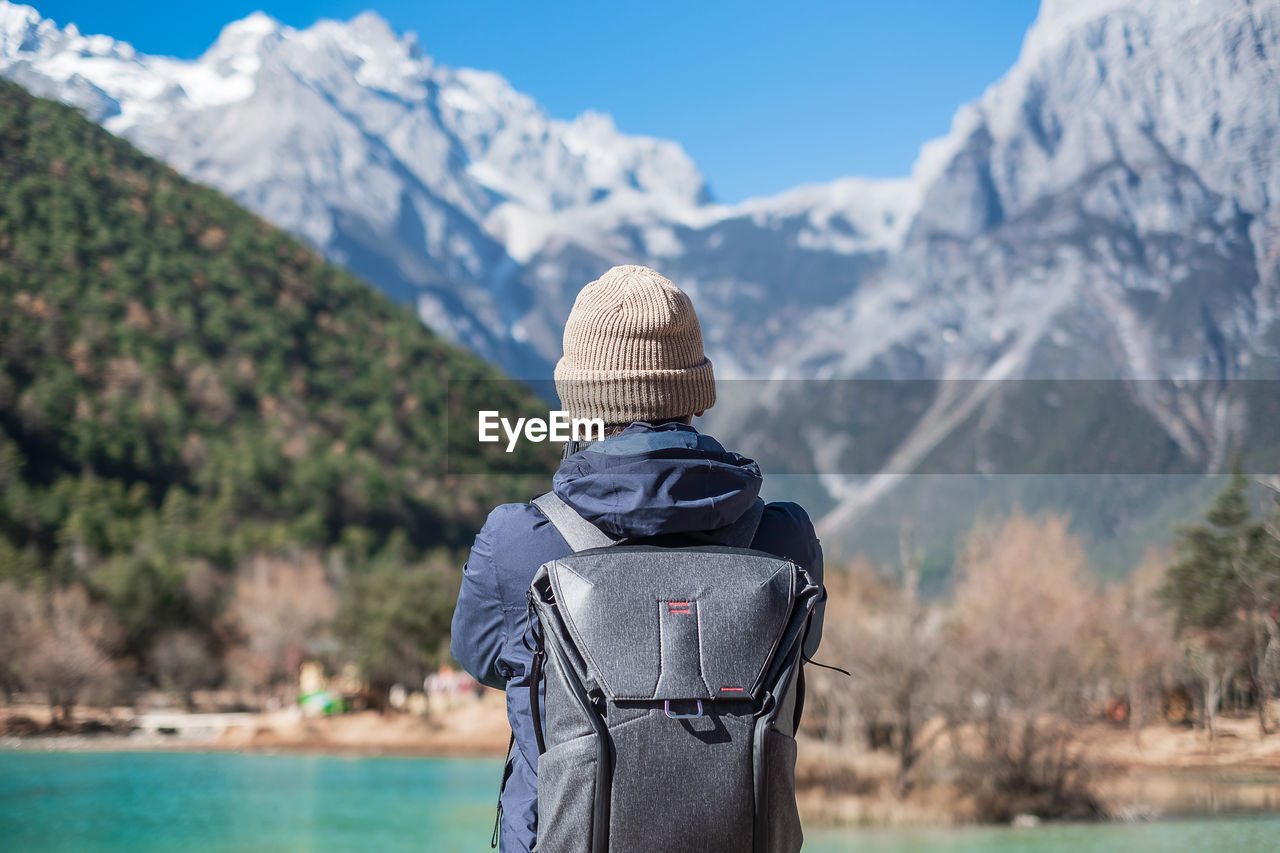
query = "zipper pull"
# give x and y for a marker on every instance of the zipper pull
(596, 698)
(506, 774)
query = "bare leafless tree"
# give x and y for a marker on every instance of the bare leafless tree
(1214, 654)
(1025, 655)
(1261, 578)
(1139, 628)
(19, 617)
(70, 649)
(182, 662)
(893, 657)
(281, 608)
(836, 706)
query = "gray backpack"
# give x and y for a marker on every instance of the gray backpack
(673, 689)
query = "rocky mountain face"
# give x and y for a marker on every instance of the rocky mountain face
(1105, 211)
(1110, 197)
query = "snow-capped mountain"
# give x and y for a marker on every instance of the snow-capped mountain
(1106, 210)
(1126, 126)
(444, 186)
(431, 182)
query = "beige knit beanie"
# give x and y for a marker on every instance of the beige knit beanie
(633, 351)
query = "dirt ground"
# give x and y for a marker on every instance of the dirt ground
(1158, 770)
(1239, 743)
(473, 727)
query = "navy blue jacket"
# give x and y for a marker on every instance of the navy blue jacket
(663, 484)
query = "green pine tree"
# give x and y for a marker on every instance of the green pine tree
(1222, 589)
(184, 386)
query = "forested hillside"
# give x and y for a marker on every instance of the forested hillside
(188, 394)
(1101, 218)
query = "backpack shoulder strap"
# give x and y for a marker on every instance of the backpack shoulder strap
(576, 530)
(741, 533)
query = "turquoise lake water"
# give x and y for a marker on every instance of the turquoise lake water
(203, 802)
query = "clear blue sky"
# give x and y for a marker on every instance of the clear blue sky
(763, 95)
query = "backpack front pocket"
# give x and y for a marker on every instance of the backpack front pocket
(783, 819)
(567, 795)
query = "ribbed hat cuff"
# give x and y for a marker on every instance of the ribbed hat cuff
(623, 396)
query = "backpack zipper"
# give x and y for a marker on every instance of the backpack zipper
(506, 774)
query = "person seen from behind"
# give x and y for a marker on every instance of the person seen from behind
(633, 357)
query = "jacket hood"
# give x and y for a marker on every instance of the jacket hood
(654, 480)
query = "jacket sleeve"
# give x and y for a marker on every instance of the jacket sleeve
(813, 635)
(790, 534)
(479, 630)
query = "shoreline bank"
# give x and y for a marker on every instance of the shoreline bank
(1164, 772)
(474, 728)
